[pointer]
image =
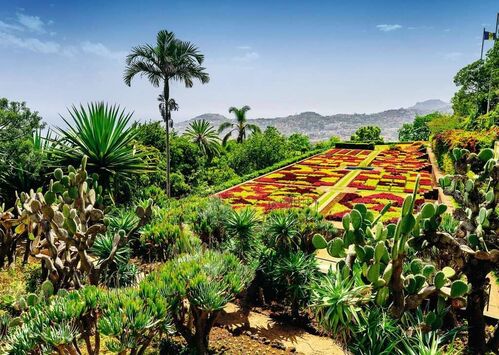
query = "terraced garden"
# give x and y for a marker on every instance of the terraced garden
(335, 180)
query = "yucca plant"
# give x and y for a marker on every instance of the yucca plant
(102, 133)
(292, 274)
(122, 218)
(281, 229)
(241, 227)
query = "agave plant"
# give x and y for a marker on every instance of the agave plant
(103, 134)
(336, 302)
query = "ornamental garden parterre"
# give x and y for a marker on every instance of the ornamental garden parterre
(337, 179)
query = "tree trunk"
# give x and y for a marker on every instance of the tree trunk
(477, 276)
(397, 286)
(166, 118)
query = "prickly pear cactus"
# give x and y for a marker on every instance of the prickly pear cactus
(474, 249)
(380, 252)
(62, 224)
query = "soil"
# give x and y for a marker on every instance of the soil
(260, 326)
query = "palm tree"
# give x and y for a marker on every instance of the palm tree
(241, 127)
(102, 133)
(202, 133)
(169, 60)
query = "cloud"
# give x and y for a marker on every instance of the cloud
(32, 44)
(51, 47)
(247, 57)
(101, 50)
(31, 23)
(8, 27)
(388, 28)
(244, 48)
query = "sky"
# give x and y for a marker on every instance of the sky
(279, 57)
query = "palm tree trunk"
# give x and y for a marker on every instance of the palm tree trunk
(166, 97)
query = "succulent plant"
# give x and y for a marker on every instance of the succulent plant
(380, 251)
(63, 223)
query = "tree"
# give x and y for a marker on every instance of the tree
(21, 163)
(419, 130)
(259, 151)
(299, 142)
(102, 133)
(202, 133)
(199, 286)
(478, 85)
(169, 61)
(367, 134)
(241, 127)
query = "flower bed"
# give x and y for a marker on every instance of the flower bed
(268, 196)
(374, 201)
(393, 181)
(304, 175)
(409, 157)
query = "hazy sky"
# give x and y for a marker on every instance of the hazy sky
(279, 57)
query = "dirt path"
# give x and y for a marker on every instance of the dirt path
(291, 336)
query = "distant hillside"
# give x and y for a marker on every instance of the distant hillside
(319, 127)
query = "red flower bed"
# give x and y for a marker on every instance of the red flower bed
(403, 157)
(266, 196)
(374, 201)
(306, 175)
(398, 181)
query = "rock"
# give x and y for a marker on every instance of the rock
(291, 349)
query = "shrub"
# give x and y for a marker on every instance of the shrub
(446, 141)
(292, 273)
(119, 272)
(376, 333)
(162, 240)
(209, 223)
(336, 302)
(199, 286)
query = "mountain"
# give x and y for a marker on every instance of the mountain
(432, 106)
(319, 127)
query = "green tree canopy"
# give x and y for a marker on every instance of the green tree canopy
(478, 84)
(21, 149)
(367, 134)
(420, 129)
(259, 151)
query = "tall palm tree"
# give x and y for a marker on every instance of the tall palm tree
(205, 136)
(169, 60)
(240, 127)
